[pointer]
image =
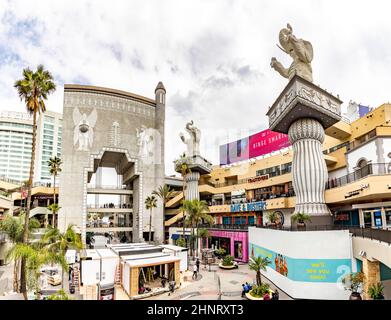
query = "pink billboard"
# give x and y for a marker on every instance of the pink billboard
(265, 142)
(256, 145)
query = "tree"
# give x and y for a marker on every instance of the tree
(55, 168)
(54, 208)
(59, 242)
(150, 203)
(197, 212)
(164, 193)
(33, 89)
(203, 233)
(13, 227)
(36, 257)
(257, 264)
(184, 169)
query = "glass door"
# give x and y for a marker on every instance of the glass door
(367, 219)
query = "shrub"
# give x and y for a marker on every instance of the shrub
(228, 261)
(260, 291)
(61, 295)
(375, 291)
(181, 242)
(220, 252)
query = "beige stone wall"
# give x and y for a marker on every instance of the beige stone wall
(371, 270)
(134, 274)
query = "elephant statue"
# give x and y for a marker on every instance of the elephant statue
(301, 52)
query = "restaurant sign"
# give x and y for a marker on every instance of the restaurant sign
(251, 206)
(259, 178)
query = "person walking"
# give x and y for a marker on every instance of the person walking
(194, 277)
(276, 295)
(198, 265)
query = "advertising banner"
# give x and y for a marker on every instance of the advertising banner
(256, 145)
(307, 270)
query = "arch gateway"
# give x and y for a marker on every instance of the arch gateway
(113, 158)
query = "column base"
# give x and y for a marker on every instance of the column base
(313, 209)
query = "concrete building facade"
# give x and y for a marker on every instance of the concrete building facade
(107, 128)
(16, 133)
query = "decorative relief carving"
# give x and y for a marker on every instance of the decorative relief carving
(102, 102)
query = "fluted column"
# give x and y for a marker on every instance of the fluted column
(192, 180)
(308, 167)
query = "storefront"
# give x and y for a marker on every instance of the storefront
(234, 242)
(374, 215)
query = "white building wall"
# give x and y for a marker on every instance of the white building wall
(367, 151)
(309, 255)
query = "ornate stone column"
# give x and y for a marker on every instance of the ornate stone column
(303, 111)
(308, 167)
(192, 180)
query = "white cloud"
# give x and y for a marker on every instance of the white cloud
(212, 56)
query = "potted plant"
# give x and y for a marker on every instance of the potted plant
(272, 217)
(353, 282)
(258, 292)
(375, 291)
(228, 263)
(301, 218)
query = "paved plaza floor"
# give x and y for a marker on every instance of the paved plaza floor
(216, 284)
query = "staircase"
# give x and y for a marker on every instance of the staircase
(118, 274)
(76, 277)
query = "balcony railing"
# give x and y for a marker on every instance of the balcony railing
(370, 233)
(369, 169)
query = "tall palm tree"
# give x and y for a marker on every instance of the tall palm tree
(184, 169)
(13, 227)
(33, 89)
(164, 193)
(55, 168)
(257, 264)
(198, 212)
(150, 203)
(59, 242)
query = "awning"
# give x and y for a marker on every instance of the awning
(176, 236)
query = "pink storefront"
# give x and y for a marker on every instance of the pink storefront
(234, 242)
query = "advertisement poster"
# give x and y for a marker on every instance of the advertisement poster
(256, 145)
(306, 270)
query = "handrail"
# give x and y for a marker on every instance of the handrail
(371, 233)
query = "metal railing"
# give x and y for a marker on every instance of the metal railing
(370, 233)
(369, 169)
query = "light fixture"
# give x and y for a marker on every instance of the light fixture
(363, 254)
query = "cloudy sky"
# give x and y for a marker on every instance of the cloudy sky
(212, 56)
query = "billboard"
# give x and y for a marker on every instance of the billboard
(256, 145)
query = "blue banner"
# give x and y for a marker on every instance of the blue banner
(251, 206)
(307, 270)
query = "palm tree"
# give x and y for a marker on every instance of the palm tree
(203, 233)
(164, 193)
(55, 168)
(35, 257)
(257, 264)
(184, 169)
(150, 203)
(54, 208)
(59, 242)
(34, 89)
(13, 228)
(198, 212)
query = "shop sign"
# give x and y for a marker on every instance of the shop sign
(259, 178)
(251, 206)
(342, 217)
(356, 192)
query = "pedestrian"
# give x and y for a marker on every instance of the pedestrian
(276, 295)
(195, 269)
(172, 286)
(198, 265)
(163, 282)
(243, 290)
